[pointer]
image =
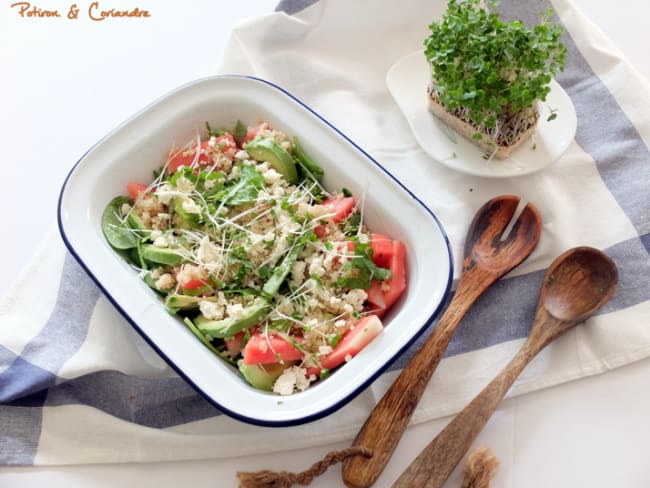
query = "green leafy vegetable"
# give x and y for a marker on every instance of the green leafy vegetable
(240, 132)
(190, 325)
(488, 69)
(116, 232)
(214, 132)
(245, 189)
(361, 270)
(272, 286)
(307, 164)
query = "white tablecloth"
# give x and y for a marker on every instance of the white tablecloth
(514, 423)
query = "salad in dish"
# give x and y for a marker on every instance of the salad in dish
(271, 271)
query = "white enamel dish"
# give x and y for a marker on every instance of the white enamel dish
(136, 148)
(407, 82)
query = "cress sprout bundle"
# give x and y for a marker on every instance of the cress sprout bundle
(488, 75)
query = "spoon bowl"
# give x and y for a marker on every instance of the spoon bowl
(498, 237)
(581, 281)
(576, 285)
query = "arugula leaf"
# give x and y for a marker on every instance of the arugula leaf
(239, 256)
(245, 189)
(214, 180)
(183, 172)
(351, 224)
(361, 270)
(240, 133)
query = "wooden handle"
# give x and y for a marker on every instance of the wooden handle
(435, 463)
(390, 417)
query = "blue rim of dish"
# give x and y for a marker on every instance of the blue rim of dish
(252, 420)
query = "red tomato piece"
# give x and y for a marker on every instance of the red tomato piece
(337, 210)
(224, 143)
(185, 157)
(353, 341)
(193, 281)
(382, 294)
(270, 348)
(346, 247)
(135, 189)
(193, 284)
(234, 344)
(340, 207)
(251, 133)
(382, 249)
(376, 298)
(397, 282)
(227, 145)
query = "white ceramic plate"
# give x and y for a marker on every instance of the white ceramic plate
(407, 81)
(132, 151)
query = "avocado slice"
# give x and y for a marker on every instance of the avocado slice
(190, 220)
(270, 150)
(160, 255)
(253, 315)
(262, 376)
(185, 302)
(136, 223)
(272, 286)
(206, 342)
(151, 282)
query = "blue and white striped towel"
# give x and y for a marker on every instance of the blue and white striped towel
(78, 385)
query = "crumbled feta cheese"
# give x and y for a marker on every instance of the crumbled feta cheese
(324, 350)
(316, 266)
(292, 379)
(165, 282)
(161, 242)
(340, 323)
(184, 185)
(356, 297)
(241, 155)
(211, 310)
(190, 206)
(208, 253)
(164, 193)
(272, 177)
(235, 310)
(297, 274)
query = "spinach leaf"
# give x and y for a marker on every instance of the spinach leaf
(114, 228)
(306, 163)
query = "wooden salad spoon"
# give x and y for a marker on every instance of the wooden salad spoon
(489, 254)
(576, 285)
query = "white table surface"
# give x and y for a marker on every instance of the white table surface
(66, 83)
